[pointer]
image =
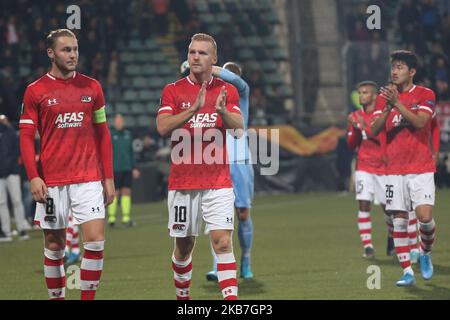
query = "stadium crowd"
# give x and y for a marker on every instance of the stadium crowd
(415, 25)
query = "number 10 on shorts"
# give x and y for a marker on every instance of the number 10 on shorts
(180, 214)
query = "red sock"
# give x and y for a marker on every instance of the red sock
(91, 269)
(226, 274)
(182, 274)
(55, 276)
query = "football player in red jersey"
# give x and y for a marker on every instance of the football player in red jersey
(403, 116)
(75, 171)
(200, 106)
(370, 167)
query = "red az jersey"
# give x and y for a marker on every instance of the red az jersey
(408, 149)
(62, 112)
(370, 152)
(196, 171)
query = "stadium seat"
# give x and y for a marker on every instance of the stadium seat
(156, 83)
(126, 57)
(207, 18)
(130, 95)
(269, 66)
(151, 44)
(143, 57)
(132, 70)
(215, 6)
(254, 42)
(139, 82)
(245, 54)
(137, 108)
(122, 108)
(158, 57)
(271, 17)
(149, 69)
(201, 6)
(231, 5)
(135, 44)
(273, 78)
(145, 95)
(239, 42)
(279, 54)
(285, 91)
(130, 121)
(270, 41)
(223, 18)
(143, 121)
(165, 70)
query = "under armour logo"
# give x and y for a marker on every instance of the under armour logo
(56, 293)
(229, 220)
(97, 209)
(185, 105)
(51, 102)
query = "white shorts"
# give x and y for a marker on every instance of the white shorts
(370, 187)
(406, 192)
(188, 207)
(84, 200)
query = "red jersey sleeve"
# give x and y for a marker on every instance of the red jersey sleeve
(380, 104)
(28, 124)
(427, 101)
(353, 137)
(99, 101)
(435, 134)
(29, 111)
(232, 100)
(167, 103)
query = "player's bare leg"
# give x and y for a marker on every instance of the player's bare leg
(245, 235)
(365, 228)
(182, 266)
(222, 244)
(427, 230)
(92, 262)
(401, 239)
(55, 276)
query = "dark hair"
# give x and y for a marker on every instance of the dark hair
(408, 57)
(367, 83)
(233, 67)
(55, 34)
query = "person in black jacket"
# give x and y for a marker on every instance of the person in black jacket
(10, 182)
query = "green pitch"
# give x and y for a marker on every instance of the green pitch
(306, 246)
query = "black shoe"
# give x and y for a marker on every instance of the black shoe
(369, 253)
(23, 235)
(390, 249)
(129, 224)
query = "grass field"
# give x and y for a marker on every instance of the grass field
(306, 246)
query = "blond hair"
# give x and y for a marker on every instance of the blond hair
(55, 34)
(207, 38)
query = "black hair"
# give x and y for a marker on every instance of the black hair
(407, 57)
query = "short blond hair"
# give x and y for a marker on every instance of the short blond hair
(207, 38)
(55, 34)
